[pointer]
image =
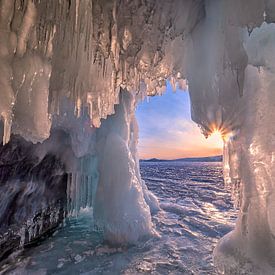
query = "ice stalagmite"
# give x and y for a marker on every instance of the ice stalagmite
(120, 207)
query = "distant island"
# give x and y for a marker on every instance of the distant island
(202, 159)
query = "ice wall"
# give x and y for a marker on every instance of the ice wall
(250, 164)
(63, 64)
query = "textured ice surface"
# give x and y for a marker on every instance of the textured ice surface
(249, 163)
(85, 51)
(195, 212)
(63, 64)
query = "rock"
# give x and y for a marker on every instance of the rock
(32, 195)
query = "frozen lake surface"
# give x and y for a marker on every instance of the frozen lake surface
(196, 212)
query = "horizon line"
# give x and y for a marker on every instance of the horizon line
(182, 157)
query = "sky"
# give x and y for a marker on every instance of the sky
(166, 130)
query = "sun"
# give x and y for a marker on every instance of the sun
(215, 139)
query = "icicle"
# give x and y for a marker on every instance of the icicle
(27, 24)
(78, 107)
(7, 129)
(82, 185)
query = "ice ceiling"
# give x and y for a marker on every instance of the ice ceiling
(66, 63)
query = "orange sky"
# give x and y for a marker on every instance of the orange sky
(187, 143)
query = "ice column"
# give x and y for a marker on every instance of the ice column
(120, 207)
(251, 246)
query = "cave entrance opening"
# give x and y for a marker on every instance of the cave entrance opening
(184, 171)
(167, 132)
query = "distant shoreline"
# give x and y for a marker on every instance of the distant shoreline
(199, 159)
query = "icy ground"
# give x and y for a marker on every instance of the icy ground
(196, 212)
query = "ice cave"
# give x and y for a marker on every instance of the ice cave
(71, 75)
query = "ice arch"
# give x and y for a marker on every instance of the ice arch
(63, 64)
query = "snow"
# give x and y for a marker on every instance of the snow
(64, 63)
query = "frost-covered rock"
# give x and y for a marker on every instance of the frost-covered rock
(32, 194)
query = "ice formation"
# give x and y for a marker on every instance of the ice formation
(120, 207)
(64, 65)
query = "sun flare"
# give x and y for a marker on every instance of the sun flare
(215, 139)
